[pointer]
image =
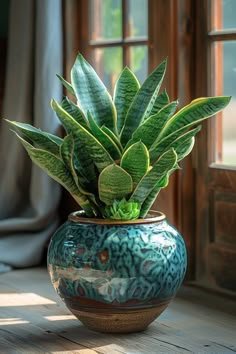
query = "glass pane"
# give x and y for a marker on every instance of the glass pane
(223, 12)
(139, 61)
(105, 20)
(108, 64)
(225, 78)
(137, 18)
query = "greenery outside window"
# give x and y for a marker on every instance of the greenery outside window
(118, 36)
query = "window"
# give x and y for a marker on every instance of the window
(222, 36)
(118, 36)
(198, 36)
(216, 160)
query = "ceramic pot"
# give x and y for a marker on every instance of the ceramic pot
(117, 276)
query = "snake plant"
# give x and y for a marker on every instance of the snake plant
(118, 152)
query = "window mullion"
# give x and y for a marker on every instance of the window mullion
(125, 32)
(222, 35)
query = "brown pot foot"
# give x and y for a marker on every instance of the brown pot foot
(121, 322)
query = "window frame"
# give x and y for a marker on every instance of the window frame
(215, 182)
(177, 29)
(163, 41)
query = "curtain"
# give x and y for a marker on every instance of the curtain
(29, 199)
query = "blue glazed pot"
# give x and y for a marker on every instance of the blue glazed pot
(117, 276)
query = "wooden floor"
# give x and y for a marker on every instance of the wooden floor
(34, 320)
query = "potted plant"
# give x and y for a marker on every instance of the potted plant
(116, 264)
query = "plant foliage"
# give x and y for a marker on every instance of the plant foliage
(117, 153)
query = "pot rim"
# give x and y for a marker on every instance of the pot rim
(152, 217)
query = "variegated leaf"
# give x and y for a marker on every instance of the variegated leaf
(135, 161)
(92, 95)
(158, 171)
(104, 139)
(113, 136)
(98, 154)
(82, 160)
(150, 199)
(67, 154)
(183, 145)
(149, 130)
(41, 139)
(194, 113)
(161, 101)
(143, 102)
(55, 168)
(75, 112)
(125, 90)
(114, 183)
(67, 85)
(179, 141)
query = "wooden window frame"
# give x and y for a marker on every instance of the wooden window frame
(168, 35)
(87, 45)
(215, 182)
(177, 30)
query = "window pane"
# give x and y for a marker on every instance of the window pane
(225, 78)
(139, 62)
(137, 18)
(105, 20)
(108, 64)
(224, 14)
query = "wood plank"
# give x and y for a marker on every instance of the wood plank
(162, 19)
(186, 85)
(222, 265)
(44, 325)
(224, 221)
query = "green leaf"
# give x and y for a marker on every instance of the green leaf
(56, 169)
(149, 130)
(135, 161)
(67, 152)
(113, 136)
(67, 85)
(161, 101)
(122, 210)
(159, 170)
(84, 139)
(74, 111)
(183, 145)
(149, 201)
(126, 88)
(92, 95)
(104, 139)
(143, 102)
(192, 114)
(41, 139)
(160, 146)
(155, 191)
(195, 112)
(180, 141)
(82, 161)
(114, 183)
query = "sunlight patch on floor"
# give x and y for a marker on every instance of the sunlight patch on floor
(60, 318)
(11, 321)
(23, 299)
(79, 351)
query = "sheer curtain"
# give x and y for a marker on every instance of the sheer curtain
(28, 197)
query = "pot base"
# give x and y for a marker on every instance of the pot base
(121, 322)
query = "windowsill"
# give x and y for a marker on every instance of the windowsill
(34, 320)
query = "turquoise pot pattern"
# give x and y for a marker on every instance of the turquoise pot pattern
(112, 266)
